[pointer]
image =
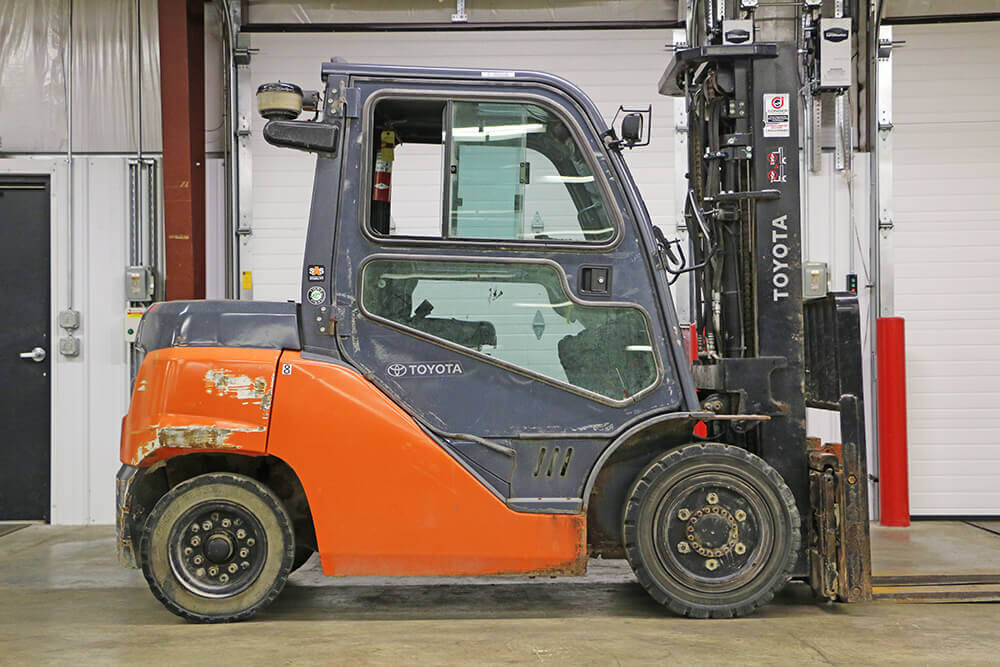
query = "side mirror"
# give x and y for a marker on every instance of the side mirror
(635, 129)
(305, 135)
(632, 129)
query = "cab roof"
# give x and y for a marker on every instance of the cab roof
(498, 76)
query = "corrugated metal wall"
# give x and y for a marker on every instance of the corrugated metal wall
(113, 81)
(946, 106)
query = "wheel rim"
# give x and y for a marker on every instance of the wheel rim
(217, 549)
(713, 532)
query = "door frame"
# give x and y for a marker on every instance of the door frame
(67, 486)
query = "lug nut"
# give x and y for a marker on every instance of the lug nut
(244, 565)
(200, 572)
(251, 541)
(232, 568)
(223, 578)
(241, 533)
(195, 528)
(740, 548)
(244, 552)
(188, 551)
(215, 516)
(214, 570)
(682, 547)
(206, 525)
(683, 514)
(712, 498)
(195, 541)
(226, 523)
(711, 564)
(740, 515)
(198, 560)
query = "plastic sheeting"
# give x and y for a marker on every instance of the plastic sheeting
(440, 11)
(33, 39)
(115, 74)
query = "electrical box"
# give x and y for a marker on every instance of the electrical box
(69, 319)
(139, 283)
(737, 32)
(834, 54)
(815, 279)
(69, 346)
(132, 317)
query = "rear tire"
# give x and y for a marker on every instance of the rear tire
(217, 548)
(711, 531)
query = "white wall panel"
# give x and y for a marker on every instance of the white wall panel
(946, 102)
(614, 67)
(89, 392)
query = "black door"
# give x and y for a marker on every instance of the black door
(25, 348)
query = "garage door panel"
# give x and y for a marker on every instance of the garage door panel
(946, 161)
(979, 440)
(947, 243)
(987, 467)
(958, 385)
(980, 269)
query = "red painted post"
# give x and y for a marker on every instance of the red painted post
(182, 104)
(894, 487)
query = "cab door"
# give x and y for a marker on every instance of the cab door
(497, 288)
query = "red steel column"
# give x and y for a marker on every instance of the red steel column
(894, 487)
(182, 101)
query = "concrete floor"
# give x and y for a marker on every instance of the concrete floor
(63, 599)
(933, 547)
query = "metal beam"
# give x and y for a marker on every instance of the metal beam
(182, 100)
(462, 26)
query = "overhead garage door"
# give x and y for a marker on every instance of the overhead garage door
(613, 66)
(946, 106)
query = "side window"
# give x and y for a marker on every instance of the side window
(518, 313)
(505, 171)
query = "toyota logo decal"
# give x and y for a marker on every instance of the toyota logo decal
(396, 370)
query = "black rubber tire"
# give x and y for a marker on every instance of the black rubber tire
(641, 514)
(252, 497)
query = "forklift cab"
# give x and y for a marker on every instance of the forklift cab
(491, 270)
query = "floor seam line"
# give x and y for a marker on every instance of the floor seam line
(988, 530)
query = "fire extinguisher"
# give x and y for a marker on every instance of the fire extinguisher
(382, 186)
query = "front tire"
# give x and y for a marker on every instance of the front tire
(711, 531)
(217, 548)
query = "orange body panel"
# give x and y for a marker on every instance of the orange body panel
(386, 499)
(199, 399)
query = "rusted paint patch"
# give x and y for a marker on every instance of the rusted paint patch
(190, 437)
(225, 382)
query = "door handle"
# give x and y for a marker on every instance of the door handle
(37, 355)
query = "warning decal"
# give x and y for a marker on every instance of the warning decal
(776, 115)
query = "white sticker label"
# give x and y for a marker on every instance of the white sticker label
(424, 369)
(776, 115)
(487, 74)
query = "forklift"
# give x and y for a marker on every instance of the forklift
(498, 383)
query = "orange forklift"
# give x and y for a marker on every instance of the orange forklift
(498, 383)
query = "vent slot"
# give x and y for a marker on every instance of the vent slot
(552, 462)
(565, 465)
(540, 462)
